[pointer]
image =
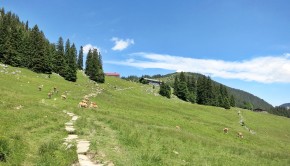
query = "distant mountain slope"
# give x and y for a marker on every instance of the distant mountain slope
(286, 105)
(240, 96)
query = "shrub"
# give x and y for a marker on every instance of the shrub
(4, 149)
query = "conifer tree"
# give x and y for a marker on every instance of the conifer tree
(204, 91)
(182, 90)
(191, 84)
(223, 97)
(232, 101)
(40, 59)
(209, 91)
(165, 90)
(175, 85)
(80, 58)
(59, 61)
(227, 104)
(71, 72)
(100, 72)
(27, 46)
(67, 50)
(94, 67)
(5, 36)
(89, 66)
(182, 77)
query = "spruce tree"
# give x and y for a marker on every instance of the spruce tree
(204, 92)
(182, 90)
(165, 90)
(59, 61)
(100, 72)
(182, 77)
(27, 44)
(191, 84)
(94, 67)
(175, 85)
(67, 50)
(5, 36)
(209, 92)
(224, 100)
(80, 58)
(40, 57)
(89, 66)
(232, 101)
(71, 56)
(227, 104)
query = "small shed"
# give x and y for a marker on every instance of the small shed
(150, 81)
(113, 74)
(258, 110)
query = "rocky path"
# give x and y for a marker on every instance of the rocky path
(82, 145)
(242, 123)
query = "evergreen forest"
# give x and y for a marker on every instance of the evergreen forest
(23, 46)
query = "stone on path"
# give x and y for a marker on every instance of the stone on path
(71, 114)
(70, 129)
(74, 118)
(71, 137)
(83, 146)
(69, 124)
(85, 161)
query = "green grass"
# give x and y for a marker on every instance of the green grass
(132, 126)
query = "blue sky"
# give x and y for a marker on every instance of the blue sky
(242, 44)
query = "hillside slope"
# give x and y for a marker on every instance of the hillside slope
(132, 126)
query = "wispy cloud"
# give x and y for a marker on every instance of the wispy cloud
(268, 69)
(87, 47)
(121, 44)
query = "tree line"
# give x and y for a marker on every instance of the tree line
(199, 90)
(22, 46)
(281, 111)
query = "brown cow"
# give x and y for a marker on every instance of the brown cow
(240, 135)
(226, 130)
(82, 104)
(93, 105)
(49, 95)
(63, 97)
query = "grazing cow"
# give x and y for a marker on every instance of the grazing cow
(177, 127)
(85, 101)
(82, 104)
(240, 135)
(93, 105)
(40, 87)
(55, 89)
(226, 130)
(63, 97)
(49, 95)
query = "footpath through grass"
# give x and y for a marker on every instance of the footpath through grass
(132, 126)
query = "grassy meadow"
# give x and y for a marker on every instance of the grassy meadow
(132, 126)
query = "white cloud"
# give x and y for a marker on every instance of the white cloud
(268, 69)
(121, 44)
(87, 47)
